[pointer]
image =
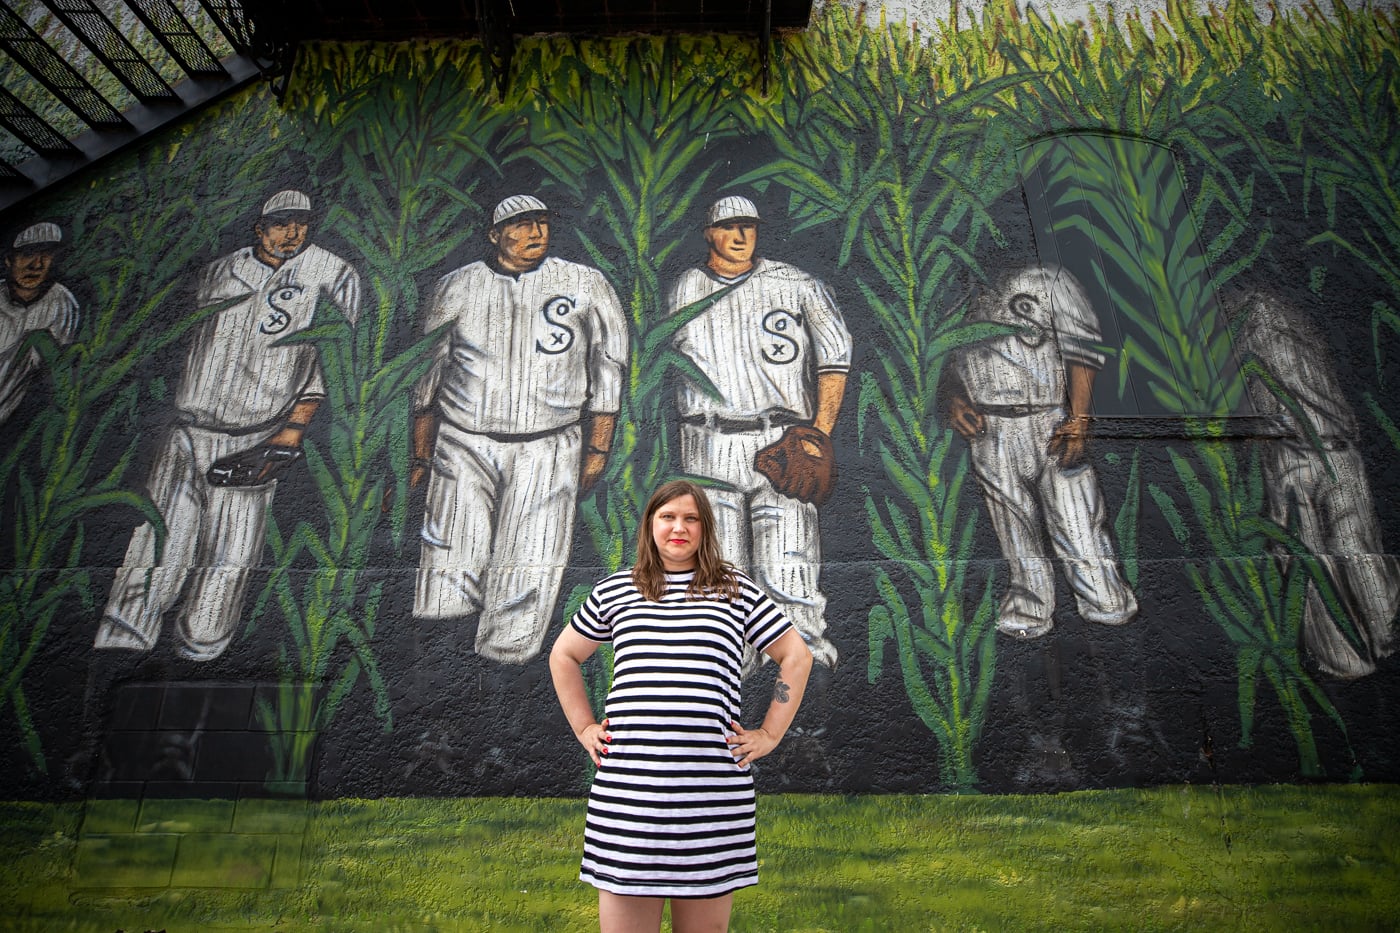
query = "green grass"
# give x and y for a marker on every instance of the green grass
(1263, 858)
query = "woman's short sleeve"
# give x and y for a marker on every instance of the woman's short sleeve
(764, 622)
(594, 618)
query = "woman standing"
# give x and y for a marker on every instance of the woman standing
(671, 812)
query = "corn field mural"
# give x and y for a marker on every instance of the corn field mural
(1097, 324)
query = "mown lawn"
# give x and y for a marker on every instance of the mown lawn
(1175, 858)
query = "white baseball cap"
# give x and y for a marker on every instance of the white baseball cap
(515, 205)
(45, 234)
(286, 201)
(733, 207)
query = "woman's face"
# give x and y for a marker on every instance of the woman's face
(676, 529)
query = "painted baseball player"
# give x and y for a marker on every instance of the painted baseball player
(774, 346)
(1323, 478)
(31, 301)
(514, 419)
(1022, 401)
(242, 403)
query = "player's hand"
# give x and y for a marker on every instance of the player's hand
(749, 745)
(1070, 441)
(967, 421)
(594, 462)
(594, 738)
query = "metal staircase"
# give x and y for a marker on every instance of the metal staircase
(64, 121)
(90, 77)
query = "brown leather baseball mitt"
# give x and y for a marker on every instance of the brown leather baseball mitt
(794, 470)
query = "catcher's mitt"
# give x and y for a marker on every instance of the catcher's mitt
(254, 467)
(794, 470)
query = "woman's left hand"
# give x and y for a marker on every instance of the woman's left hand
(749, 745)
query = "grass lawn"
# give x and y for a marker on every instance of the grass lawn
(1172, 858)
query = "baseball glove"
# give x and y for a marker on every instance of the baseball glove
(794, 470)
(254, 467)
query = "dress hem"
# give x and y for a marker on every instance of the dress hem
(672, 890)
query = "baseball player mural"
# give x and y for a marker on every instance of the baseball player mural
(244, 398)
(776, 353)
(30, 302)
(514, 419)
(1022, 401)
(1315, 468)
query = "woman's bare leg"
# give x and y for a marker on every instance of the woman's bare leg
(626, 913)
(701, 914)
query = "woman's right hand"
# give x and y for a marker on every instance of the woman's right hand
(594, 738)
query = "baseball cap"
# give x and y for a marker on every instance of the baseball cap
(284, 201)
(515, 205)
(732, 208)
(44, 234)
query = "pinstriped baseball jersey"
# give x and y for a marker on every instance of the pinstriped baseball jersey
(526, 353)
(1056, 325)
(237, 377)
(56, 312)
(763, 344)
(1295, 353)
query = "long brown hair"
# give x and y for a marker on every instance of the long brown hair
(714, 576)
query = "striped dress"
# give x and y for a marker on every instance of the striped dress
(670, 813)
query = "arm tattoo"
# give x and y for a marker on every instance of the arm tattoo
(780, 691)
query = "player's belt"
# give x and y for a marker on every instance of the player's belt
(1329, 444)
(506, 438)
(778, 419)
(1288, 425)
(1014, 411)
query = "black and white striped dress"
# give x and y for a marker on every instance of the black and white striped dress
(670, 813)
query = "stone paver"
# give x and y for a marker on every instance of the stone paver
(130, 860)
(224, 860)
(255, 815)
(185, 816)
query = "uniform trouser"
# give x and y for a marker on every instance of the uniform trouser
(1337, 522)
(773, 538)
(213, 536)
(496, 535)
(1025, 489)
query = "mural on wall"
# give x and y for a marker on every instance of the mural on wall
(515, 417)
(1023, 402)
(33, 302)
(769, 359)
(1315, 482)
(244, 399)
(1018, 257)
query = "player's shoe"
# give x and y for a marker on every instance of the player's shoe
(1024, 626)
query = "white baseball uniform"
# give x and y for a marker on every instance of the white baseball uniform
(1328, 487)
(55, 311)
(522, 360)
(238, 386)
(1018, 384)
(762, 345)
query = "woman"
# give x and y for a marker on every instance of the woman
(671, 812)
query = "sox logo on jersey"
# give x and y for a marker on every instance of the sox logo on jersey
(280, 317)
(782, 323)
(561, 335)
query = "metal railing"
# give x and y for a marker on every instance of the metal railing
(57, 85)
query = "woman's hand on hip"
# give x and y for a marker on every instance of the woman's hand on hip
(594, 738)
(749, 745)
